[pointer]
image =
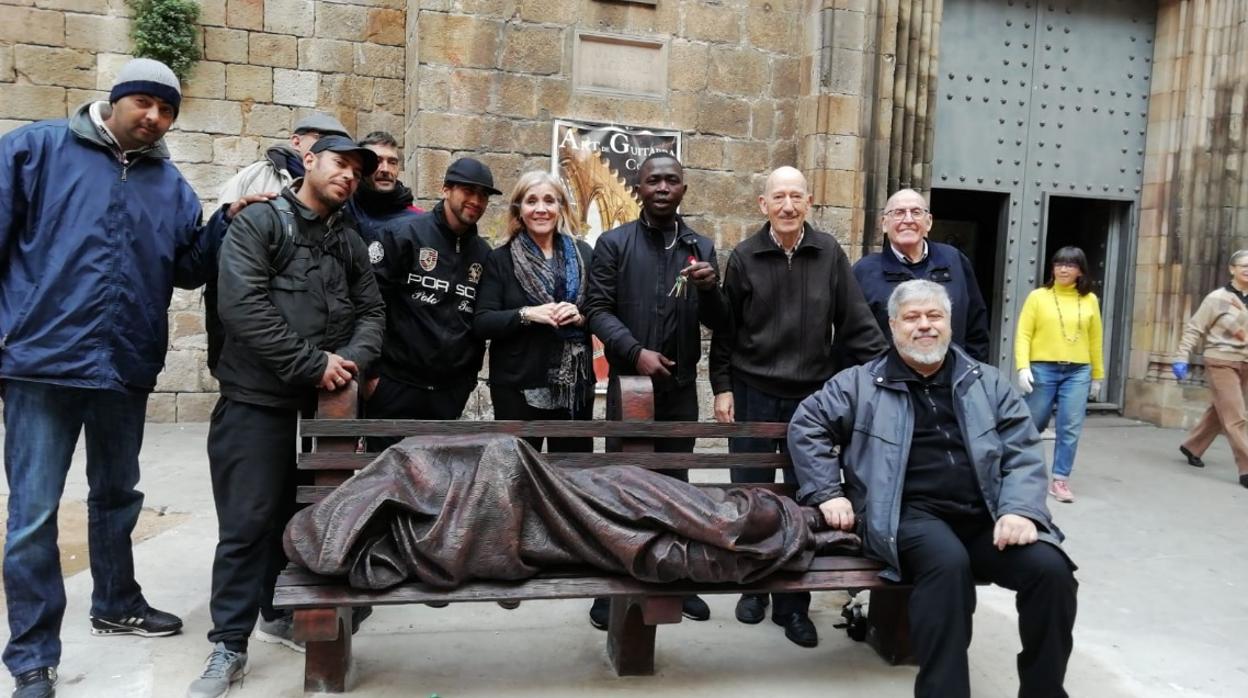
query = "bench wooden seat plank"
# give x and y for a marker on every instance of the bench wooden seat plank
(322, 605)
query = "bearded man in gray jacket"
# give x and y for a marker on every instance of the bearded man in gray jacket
(932, 458)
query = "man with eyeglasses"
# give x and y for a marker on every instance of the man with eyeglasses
(908, 254)
(428, 267)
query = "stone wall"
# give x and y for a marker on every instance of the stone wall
(266, 63)
(1194, 205)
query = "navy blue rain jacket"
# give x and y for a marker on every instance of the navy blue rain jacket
(90, 250)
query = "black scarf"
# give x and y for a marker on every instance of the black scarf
(377, 203)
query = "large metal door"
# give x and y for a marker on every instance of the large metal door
(1041, 100)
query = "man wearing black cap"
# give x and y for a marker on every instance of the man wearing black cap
(301, 311)
(428, 268)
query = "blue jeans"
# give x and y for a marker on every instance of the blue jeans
(42, 422)
(1063, 387)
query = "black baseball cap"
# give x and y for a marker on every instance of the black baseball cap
(470, 171)
(342, 144)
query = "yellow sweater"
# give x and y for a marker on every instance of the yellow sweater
(1042, 336)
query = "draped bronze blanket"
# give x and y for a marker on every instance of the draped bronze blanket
(447, 510)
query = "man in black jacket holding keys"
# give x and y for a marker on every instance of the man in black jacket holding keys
(652, 282)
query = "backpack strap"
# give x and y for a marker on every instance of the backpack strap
(285, 251)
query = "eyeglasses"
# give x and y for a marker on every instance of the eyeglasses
(899, 214)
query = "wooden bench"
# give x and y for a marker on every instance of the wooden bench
(322, 606)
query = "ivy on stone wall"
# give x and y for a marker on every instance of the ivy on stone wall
(165, 30)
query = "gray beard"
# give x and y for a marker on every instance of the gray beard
(925, 358)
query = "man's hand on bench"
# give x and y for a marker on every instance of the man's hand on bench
(839, 513)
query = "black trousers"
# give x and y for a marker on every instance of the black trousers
(679, 405)
(251, 454)
(509, 404)
(753, 405)
(943, 558)
(398, 400)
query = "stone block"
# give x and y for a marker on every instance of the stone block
(269, 119)
(714, 23)
(849, 29)
(346, 22)
(380, 61)
(186, 323)
(532, 138)
(98, 33)
(386, 27)
(162, 408)
(703, 152)
(430, 168)
(325, 55)
(244, 14)
(33, 26)
(785, 77)
(548, 11)
(295, 87)
(502, 9)
(771, 29)
(723, 116)
(75, 98)
(346, 91)
(250, 83)
(763, 119)
(436, 85)
(222, 44)
(344, 113)
(196, 407)
(687, 65)
(187, 147)
(624, 18)
(207, 79)
(457, 40)
(451, 131)
(516, 96)
(64, 67)
(553, 96)
(275, 50)
(7, 125)
(369, 121)
(107, 65)
(211, 116)
(532, 49)
(7, 63)
(181, 372)
(290, 17)
(207, 177)
(388, 95)
(839, 114)
(32, 102)
(91, 7)
(847, 72)
(737, 71)
(211, 12)
(235, 151)
(184, 299)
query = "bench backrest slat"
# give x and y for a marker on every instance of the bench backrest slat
(311, 494)
(416, 427)
(650, 461)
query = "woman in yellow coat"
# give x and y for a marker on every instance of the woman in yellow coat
(1057, 351)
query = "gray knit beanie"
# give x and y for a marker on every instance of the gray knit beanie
(148, 77)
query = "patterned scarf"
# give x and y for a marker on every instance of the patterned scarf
(565, 282)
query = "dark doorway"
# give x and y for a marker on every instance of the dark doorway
(973, 221)
(1099, 228)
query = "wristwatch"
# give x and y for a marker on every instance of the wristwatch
(524, 316)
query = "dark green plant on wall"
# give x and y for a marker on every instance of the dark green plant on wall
(165, 30)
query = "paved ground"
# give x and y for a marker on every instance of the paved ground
(1163, 606)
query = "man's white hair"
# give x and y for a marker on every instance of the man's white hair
(918, 290)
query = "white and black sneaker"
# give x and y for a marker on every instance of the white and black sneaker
(151, 623)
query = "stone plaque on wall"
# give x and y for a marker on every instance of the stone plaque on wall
(620, 65)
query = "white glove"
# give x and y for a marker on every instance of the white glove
(1095, 389)
(1025, 380)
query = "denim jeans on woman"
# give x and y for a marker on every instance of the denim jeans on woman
(1060, 387)
(41, 426)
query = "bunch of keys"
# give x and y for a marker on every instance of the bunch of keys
(681, 288)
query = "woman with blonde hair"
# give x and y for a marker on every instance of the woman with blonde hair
(1222, 322)
(1058, 354)
(529, 307)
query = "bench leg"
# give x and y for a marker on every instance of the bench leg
(326, 633)
(888, 625)
(630, 634)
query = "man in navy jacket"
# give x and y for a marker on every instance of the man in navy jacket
(96, 228)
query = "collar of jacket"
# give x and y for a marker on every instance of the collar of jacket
(769, 246)
(279, 156)
(291, 194)
(380, 203)
(83, 126)
(659, 235)
(439, 219)
(892, 257)
(965, 371)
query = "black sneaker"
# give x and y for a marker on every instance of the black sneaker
(36, 683)
(151, 623)
(694, 608)
(752, 608)
(600, 613)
